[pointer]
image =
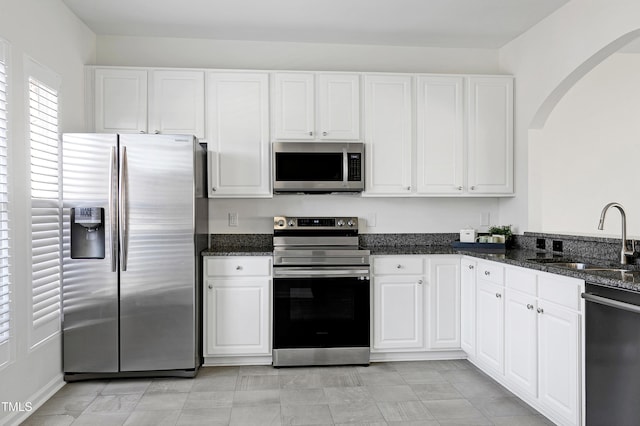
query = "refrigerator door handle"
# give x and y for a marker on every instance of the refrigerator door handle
(113, 208)
(124, 240)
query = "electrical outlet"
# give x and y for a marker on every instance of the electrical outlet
(557, 245)
(541, 243)
(485, 219)
(233, 218)
(371, 220)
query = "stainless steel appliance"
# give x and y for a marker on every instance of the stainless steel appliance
(318, 167)
(135, 221)
(321, 300)
(612, 356)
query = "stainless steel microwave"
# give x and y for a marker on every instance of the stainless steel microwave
(318, 167)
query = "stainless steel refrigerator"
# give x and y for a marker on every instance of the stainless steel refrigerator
(135, 220)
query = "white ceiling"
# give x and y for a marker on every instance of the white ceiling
(437, 23)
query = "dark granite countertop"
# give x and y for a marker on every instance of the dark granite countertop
(531, 259)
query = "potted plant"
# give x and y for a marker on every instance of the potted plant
(505, 232)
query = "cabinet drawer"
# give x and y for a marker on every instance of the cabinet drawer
(492, 272)
(521, 279)
(560, 290)
(237, 266)
(398, 265)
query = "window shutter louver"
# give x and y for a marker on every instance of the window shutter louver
(46, 220)
(5, 298)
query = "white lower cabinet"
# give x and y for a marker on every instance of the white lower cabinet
(398, 303)
(416, 303)
(468, 267)
(490, 326)
(237, 307)
(528, 336)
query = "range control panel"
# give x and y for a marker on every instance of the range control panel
(314, 223)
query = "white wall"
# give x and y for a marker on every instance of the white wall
(199, 53)
(587, 154)
(392, 214)
(50, 34)
(547, 61)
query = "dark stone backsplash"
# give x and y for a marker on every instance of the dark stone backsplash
(573, 246)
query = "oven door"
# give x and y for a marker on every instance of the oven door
(321, 308)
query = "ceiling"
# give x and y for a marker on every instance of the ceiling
(435, 23)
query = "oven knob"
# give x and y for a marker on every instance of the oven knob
(350, 223)
(292, 222)
(281, 222)
(340, 222)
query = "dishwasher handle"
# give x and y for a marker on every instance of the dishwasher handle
(611, 302)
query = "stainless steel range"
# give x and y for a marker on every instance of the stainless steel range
(321, 292)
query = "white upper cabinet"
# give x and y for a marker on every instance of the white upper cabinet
(339, 106)
(465, 135)
(120, 101)
(238, 134)
(490, 135)
(440, 142)
(309, 106)
(141, 101)
(176, 103)
(388, 134)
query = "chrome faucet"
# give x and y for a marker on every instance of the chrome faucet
(625, 248)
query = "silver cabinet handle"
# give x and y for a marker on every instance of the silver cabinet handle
(399, 267)
(420, 282)
(540, 311)
(459, 188)
(529, 306)
(213, 188)
(487, 273)
(470, 266)
(238, 268)
(408, 188)
(124, 233)
(142, 131)
(310, 133)
(157, 132)
(324, 133)
(210, 286)
(473, 188)
(498, 295)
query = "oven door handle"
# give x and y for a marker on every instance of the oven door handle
(320, 273)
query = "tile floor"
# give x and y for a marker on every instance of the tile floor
(427, 393)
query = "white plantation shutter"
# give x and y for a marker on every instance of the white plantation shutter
(46, 219)
(5, 305)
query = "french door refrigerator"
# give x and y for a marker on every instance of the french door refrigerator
(135, 220)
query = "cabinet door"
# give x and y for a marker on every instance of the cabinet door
(120, 101)
(444, 302)
(339, 106)
(176, 103)
(237, 317)
(440, 135)
(490, 325)
(293, 106)
(521, 343)
(398, 313)
(388, 134)
(559, 343)
(468, 306)
(238, 134)
(490, 135)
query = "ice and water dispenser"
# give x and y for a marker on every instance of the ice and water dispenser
(87, 233)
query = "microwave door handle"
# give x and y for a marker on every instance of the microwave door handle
(345, 168)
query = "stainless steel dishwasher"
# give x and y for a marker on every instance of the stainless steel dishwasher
(612, 356)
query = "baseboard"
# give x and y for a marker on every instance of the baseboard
(417, 356)
(37, 399)
(236, 360)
